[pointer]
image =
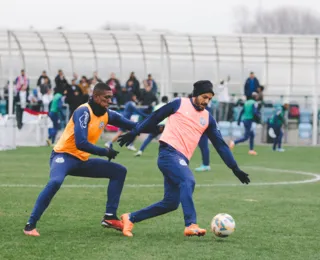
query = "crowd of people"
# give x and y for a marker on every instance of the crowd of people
(76, 92)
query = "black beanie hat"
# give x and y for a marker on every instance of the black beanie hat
(202, 87)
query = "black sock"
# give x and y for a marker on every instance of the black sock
(110, 216)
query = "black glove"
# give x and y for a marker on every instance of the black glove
(111, 154)
(126, 139)
(241, 175)
(160, 129)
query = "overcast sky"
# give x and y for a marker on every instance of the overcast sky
(192, 16)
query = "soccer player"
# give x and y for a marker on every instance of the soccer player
(187, 121)
(249, 114)
(70, 156)
(164, 100)
(129, 109)
(276, 122)
(54, 114)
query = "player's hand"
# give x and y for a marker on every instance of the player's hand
(126, 139)
(241, 175)
(111, 154)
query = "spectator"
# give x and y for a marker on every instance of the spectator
(46, 100)
(61, 83)
(22, 101)
(42, 79)
(260, 93)
(93, 82)
(85, 88)
(224, 100)
(251, 85)
(148, 97)
(6, 96)
(35, 100)
(95, 77)
(22, 80)
(175, 95)
(135, 87)
(74, 97)
(152, 84)
(115, 86)
(44, 86)
(126, 94)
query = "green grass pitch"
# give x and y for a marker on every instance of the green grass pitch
(272, 221)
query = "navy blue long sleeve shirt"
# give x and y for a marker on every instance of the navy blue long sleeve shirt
(81, 118)
(212, 131)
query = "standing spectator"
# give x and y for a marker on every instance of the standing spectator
(115, 86)
(61, 83)
(22, 80)
(224, 100)
(135, 87)
(6, 96)
(44, 86)
(95, 77)
(46, 100)
(74, 97)
(152, 84)
(42, 79)
(251, 85)
(22, 101)
(85, 88)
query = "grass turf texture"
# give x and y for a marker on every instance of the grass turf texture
(273, 222)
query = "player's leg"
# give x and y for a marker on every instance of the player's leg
(247, 126)
(279, 141)
(145, 143)
(99, 168)
(60, 165)
(205, 153)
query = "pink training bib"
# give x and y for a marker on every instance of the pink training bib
(185, 128)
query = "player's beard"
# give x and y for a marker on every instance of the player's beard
(199, 105)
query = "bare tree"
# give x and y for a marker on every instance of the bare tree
(283, 20)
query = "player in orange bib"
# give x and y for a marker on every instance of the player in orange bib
(70, 156)
(187, 121)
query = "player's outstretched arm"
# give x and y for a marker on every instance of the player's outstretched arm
(81, 119)
(150, 124)
(223, 150)
(119, 120)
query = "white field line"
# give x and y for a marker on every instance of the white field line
(315, 178)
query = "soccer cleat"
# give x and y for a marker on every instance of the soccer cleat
(127, 225)
(30, 230)
(112, 222)
(231, 144)
(194, 230)
(203, 168)
(252, 152)
(139, 153)
(131, 148)
(281, 150)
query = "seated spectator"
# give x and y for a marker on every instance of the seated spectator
(74, 97)
(44, 86)
(35, 100)
(46, 100)
(148, 98)
(115, 86)
(134, 86)
(85, 88)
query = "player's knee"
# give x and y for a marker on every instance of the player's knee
(172, 204)
(56, 183)
(122, 172)
(190, 182)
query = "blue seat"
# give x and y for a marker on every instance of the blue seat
(266, 112)
(305, 130)
(237, 131)
(225, 127)
(305, 116)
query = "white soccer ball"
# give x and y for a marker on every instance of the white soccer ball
(223, 225)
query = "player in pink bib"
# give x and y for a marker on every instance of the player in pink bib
(187, 121)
